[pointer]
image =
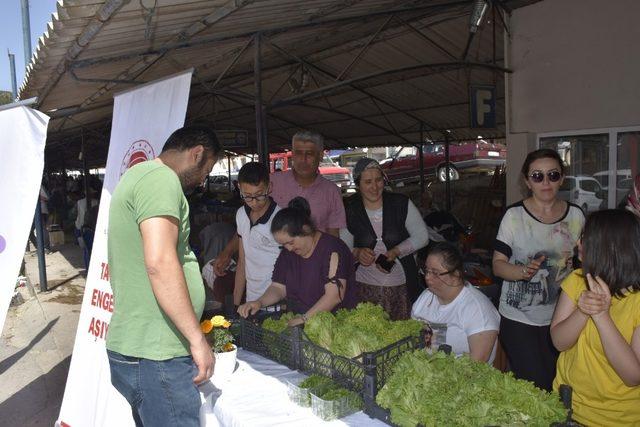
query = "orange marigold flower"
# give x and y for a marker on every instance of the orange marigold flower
(227, 347)
(206, 326)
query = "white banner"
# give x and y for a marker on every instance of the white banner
(24, 132)
(143, 119)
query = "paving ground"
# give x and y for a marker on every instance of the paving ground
(37, 341)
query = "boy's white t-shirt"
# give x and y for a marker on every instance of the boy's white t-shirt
(469, 313)
(260, 249)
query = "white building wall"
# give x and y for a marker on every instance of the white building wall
(576, 65)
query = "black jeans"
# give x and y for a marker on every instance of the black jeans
(530, 352)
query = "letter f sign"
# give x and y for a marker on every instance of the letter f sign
(483, 106)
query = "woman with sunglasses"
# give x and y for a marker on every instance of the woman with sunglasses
(457, 313)
(385, 230)
(314, 271)
(532, 254)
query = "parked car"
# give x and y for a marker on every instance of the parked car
(476, 156)
(219, 182)
(622, 182)
(584, 191)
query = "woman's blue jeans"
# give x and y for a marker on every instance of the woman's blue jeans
(161, 393)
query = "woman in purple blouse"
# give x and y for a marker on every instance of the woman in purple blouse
(313, 273)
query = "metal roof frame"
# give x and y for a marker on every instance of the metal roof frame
(363, 72)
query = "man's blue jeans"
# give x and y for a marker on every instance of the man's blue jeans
(161, 393)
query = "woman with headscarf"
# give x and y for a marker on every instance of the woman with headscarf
(384, 231)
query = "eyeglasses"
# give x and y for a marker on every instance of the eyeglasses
(538, 176)
(257, 198)
(425, 272)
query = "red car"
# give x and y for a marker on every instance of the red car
(476, 156)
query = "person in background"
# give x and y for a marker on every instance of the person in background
(458, 314)
(258, 249)
(314, 272)
(303, 179)
(533, 253)
(157, 352)
(387, 225)
(85, 222)
(44, 216)
(596, 325)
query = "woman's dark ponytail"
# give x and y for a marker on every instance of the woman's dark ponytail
(295, 219)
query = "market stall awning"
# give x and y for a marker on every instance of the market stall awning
(362, 72)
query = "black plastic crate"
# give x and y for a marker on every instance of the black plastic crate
(282, 348)
(365, 374)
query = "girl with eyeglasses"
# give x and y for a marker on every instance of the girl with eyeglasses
(457, 313)
(596, 324)
(533, 252)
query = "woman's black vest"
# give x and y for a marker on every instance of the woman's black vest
(394, 216)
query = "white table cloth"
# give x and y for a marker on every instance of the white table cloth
(256, 395)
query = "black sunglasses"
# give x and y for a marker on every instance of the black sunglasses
(538, 176)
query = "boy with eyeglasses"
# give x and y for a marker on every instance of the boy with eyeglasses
(258, 250)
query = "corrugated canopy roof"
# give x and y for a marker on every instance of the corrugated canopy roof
(362, 72)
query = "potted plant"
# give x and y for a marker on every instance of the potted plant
(216, 331)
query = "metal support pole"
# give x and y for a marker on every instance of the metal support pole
(26, 32)
(42, 269)
(229, 171)
(447, 170)
(40, 229)
(12, 67)
(261, 138)
(85, 170)
(421, 159)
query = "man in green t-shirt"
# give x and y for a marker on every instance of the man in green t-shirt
(157, 352)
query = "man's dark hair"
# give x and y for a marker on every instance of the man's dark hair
(253, 173)
(611, 249)
(295, 219)
(542, 153)
(191, 136)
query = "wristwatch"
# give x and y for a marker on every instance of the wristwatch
(305, 317)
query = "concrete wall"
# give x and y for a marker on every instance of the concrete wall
(576, 66)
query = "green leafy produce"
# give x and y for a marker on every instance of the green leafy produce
(353, 399)
(277, 325)
(440, 389)
(318, 385)
(273, 343)
(315, 381)
(352, 332)
(319, 328)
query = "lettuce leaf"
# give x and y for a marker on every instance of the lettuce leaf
(439, 389)
(364, 329)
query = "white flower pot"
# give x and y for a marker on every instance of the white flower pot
(225, 363)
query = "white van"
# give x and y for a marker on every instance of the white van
(621, 175)
(584, 191)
